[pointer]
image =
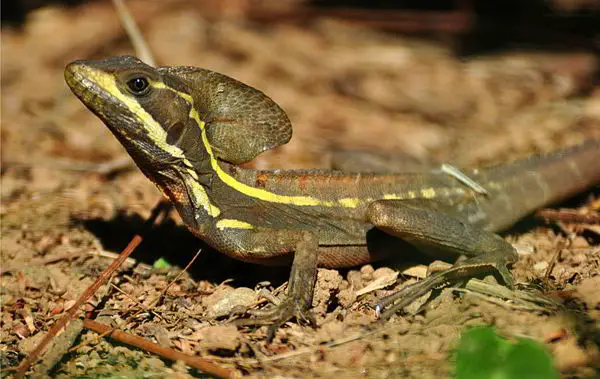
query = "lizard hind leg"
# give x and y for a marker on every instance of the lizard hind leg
(440, 234)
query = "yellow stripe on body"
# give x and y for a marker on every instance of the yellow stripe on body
(393, 196)
(228, 223)
(261, 194)
(256, 193)
(201, 197)
(428, 193)
(351, 202)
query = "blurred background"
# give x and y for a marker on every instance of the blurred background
(466, 81)
(453, 80)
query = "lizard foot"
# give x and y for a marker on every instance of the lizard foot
(457, 273)
(277, 315)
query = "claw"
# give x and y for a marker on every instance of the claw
(390, 305)
(278, 315)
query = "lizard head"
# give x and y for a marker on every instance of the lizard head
(140, 106)
(174, 114)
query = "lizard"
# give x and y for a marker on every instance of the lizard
(188, 129)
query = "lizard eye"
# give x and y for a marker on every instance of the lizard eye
(138, 86)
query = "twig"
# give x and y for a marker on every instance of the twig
(168, 353)
(160, 208)
(147, 309)
(41, 262)
(85, 343)
(164, 292)
(526, 300)
(341, 341)
(568, 216)
(129, 261)
(555, 258)
(137, 40)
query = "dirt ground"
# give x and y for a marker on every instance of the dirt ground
(72, 199)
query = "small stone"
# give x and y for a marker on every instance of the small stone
(383, 272)
(221, 337)
(153, 364)
(367, 272)
(540, 266)
(159, 332)
(346, 297)
(568, 354)
(524, 248)
(328, 281)
(355, 279)
(349, 355)
(94, 355)
(580, 242)
(579, 259)
(222, 303)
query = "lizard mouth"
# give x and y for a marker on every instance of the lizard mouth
(78, 77)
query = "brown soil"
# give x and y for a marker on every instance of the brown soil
(64, 211)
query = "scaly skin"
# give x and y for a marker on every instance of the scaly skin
(187, 129)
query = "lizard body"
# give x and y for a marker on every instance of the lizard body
(188, 129)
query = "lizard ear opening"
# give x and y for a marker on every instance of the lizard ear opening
(175, 132)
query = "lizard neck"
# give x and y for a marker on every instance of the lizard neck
(201, 193)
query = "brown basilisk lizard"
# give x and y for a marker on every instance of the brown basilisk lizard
(187, 128)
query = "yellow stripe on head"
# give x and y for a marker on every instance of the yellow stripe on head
(154, 130)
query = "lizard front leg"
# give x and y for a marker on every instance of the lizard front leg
(438, 233)
(259, 244)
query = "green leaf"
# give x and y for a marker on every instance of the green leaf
(529, 359)
(161, 263)
(482, 354)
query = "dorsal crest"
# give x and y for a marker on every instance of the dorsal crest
(241, 121)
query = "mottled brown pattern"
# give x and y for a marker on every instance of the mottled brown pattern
(303, 181)
(261, 180)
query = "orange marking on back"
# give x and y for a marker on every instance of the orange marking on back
(303, 181)
(261, 180)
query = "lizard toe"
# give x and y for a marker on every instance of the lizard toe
(278, 315)
(389, 305)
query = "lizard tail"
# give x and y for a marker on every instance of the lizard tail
(541, 180)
